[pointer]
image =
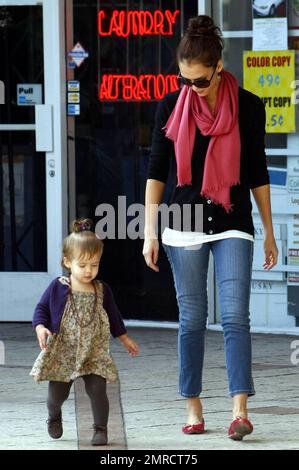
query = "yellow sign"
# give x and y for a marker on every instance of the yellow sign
(269, 75)
(74, 98)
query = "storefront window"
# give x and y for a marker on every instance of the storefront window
(113, 132)
(230, 18)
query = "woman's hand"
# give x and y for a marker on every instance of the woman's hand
(42, 335)
(151, 253)
(271, 252)
(130, 345)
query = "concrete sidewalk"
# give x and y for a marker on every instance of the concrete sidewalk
(146, 413)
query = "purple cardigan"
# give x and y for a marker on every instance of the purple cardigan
(50, 308)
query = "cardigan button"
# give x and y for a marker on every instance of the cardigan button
(210, 219)
(211, 232)
(209, 201)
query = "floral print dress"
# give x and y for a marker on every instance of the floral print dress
(82, 345)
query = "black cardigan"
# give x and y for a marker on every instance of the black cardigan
(253, 170)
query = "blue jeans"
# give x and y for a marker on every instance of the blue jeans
(233, 266)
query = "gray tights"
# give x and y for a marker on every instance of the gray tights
(95, 387)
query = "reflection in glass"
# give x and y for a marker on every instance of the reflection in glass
(233, 15)
(23, 239)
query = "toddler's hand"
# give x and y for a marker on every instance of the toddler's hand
(42, 336)
(130, 345)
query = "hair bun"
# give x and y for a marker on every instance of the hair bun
(81, 225)
(202, 25)
(202, 42)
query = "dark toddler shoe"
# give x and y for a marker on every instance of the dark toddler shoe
(55, 429)
(99, 437)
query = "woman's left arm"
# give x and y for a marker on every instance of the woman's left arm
(262, 198)
(259, 181)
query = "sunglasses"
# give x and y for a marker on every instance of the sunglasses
(198, 82)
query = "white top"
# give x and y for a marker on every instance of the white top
(190, 239)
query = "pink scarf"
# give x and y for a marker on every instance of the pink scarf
(222, 163)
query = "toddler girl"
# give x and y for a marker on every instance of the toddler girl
(73, 321)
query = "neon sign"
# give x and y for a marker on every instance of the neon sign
(137, 23)
(136, 88)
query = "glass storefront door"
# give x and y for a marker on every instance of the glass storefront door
(23, 240)
(27, 179)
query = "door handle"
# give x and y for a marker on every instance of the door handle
(44, 128)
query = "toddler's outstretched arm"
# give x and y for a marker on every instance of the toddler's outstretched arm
(130, 345)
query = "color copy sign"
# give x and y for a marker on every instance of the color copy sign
(269, 74)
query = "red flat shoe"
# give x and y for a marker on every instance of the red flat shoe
(239, 428)
(198, 428)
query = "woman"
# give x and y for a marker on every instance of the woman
(209, 140)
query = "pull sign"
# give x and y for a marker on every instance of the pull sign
(29, 94)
